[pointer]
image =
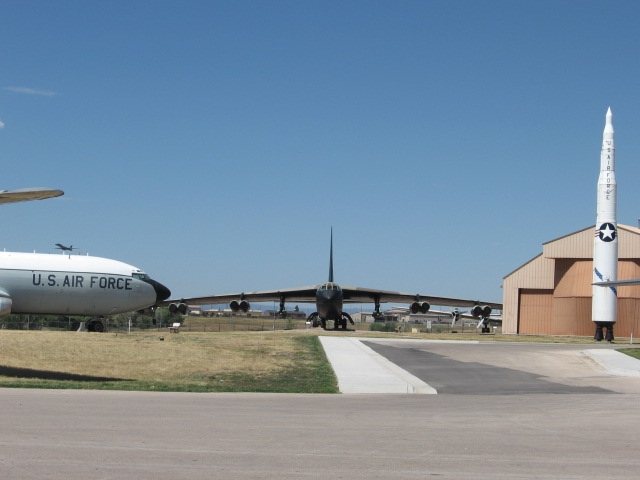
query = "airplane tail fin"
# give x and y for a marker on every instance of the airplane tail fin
(331, 258)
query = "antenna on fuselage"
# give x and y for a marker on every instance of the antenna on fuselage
(331, 258)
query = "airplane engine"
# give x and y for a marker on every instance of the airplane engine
(5, 306)
(239, 306)
(481, 312)
(178, 308)
(417, 307)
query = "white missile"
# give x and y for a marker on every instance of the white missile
(605, 244)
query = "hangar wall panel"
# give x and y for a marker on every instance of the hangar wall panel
(535, 312)
(536, 274)
(628, 318)
(572, 316)
(573, 278)
(628, 242)
(629, 269)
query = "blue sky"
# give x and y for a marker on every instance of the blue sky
(214, 144)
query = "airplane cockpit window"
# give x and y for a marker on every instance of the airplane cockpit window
(140, 276)
(330, 286)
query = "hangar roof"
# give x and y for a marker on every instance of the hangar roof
(579, 245)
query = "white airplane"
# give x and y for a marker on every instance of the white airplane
(64, 248)
(37, 283)
(479, 313)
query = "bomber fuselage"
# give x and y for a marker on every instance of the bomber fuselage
(329, 299)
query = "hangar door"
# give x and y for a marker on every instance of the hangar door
(534, 311)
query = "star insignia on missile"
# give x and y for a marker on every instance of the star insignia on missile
(607, 232)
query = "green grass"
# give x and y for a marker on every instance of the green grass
(275, 362)
(238, 361)
(632, 352)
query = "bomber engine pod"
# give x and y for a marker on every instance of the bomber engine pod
(178, 308)
(417, 307)
(481, 312)
(239, 306)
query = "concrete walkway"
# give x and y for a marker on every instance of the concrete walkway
(361, 370)
(615, 362)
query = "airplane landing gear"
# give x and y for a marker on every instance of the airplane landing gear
(316, 320)
(96, 325)
(376, 312)
(342, 323)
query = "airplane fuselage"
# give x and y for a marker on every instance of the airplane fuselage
(73, 285)
(329, 300)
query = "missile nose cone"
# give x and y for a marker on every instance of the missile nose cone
(608, 127)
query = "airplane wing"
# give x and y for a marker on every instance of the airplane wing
(302, 294)
(366, 295)
(631, 281)
(24, 194)
(350, 295)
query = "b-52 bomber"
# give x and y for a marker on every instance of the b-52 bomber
(330, 298)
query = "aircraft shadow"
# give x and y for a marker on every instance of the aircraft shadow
(16, 372)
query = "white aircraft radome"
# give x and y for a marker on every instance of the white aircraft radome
(37, 283)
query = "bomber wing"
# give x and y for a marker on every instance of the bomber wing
(24, 194)
(366, 295)
(302, 294)
(350, 295)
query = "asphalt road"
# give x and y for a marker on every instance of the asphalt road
(502, 411)
(487, 368)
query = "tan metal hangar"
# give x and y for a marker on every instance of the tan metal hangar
(551, 293)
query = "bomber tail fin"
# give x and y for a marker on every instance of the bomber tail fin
(331, 258)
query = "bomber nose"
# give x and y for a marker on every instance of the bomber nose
(162, 292)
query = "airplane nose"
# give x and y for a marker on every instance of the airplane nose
(162, 292)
